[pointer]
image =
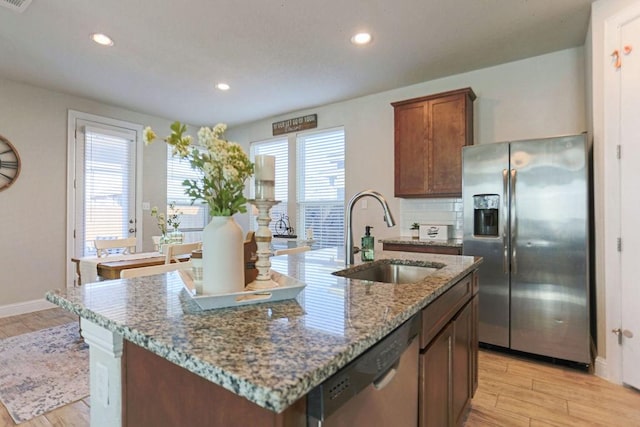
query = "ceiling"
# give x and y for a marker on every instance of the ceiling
(278, 56)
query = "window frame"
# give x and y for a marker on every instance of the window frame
(292, 205)
(299, 139)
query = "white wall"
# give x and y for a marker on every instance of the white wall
(536, 97)
(33, 209)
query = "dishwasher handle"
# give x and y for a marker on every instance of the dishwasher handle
(387, 377)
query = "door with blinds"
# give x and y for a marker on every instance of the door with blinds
(104, 178)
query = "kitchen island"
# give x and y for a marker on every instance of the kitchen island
(264, 357)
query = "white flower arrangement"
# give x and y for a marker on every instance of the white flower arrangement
(224, 164)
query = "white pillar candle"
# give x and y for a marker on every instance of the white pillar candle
(265, 177)
(265, 190)
(265, 168)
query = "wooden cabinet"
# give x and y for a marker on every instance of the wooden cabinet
(448, 360)
(435, 391)
(429, 135)
(461, 374)
(156, 392)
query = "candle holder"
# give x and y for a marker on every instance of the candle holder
(263, 241)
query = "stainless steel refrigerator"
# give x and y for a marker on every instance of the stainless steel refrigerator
(526, 212)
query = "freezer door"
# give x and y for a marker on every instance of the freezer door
(549, 248)
(485, 205)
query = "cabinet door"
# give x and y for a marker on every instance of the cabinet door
(410, 150)
(462, 376)
(429, 135)
(447, 134)
(474, 344)
(435, 384)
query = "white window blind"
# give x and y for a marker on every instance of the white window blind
(193, 218)
(109, 160)
(279, 148)
(320, 178)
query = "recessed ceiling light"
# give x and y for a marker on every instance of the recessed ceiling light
(223, 86)
(102, 39)
(361, 38)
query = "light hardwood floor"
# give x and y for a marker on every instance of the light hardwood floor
(512, 391)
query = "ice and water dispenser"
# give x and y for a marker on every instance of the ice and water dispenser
(485, 214)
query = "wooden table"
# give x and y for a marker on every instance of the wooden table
(111, 269)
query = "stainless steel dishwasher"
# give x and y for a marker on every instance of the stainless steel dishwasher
(379, 388)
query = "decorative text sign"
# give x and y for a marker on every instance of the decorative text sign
(292, 125)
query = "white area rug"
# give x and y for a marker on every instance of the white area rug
(43, 370)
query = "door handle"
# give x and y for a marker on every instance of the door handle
(505, 228)
(618, 333)
(514, 223)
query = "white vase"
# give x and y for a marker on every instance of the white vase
(222, 257)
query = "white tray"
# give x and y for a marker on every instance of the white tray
(289, 288)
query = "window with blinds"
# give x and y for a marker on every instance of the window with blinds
(280, 149)
(107, 185)
(193, 218)
(320, 183)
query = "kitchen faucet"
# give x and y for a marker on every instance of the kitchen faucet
(348, 244)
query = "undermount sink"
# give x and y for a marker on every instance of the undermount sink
(391, 271)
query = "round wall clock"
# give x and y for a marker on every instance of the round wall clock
(9, 164)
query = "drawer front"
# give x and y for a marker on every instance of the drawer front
(437, 314)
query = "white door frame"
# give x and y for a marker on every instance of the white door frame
(72, 118)
(612, 368)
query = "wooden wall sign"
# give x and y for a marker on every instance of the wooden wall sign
(292, 125)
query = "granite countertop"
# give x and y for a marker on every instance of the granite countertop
(271, 353)
(407, 240)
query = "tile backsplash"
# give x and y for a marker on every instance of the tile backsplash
(431, 211)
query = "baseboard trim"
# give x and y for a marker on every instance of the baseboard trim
(601, 369)
(25, 307)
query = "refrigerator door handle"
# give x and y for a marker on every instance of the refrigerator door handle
(514, 223)
(505, 226)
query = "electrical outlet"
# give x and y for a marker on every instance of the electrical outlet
(102, 384)
(146, 206)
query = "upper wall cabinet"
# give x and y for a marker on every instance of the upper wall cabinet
(429, 135)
